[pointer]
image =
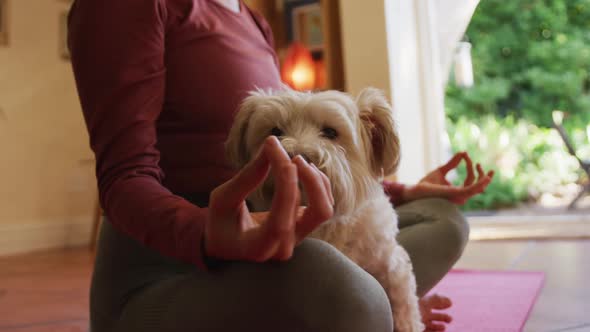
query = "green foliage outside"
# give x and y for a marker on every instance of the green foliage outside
(528, 160)
(530, 57)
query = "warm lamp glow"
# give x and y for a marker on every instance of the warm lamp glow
(298, 68)
(301, 76)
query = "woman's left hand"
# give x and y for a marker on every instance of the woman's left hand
(434, 184)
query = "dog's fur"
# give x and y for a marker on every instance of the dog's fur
(364, 225)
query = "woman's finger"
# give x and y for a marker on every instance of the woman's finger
(470, 176)
(326, 181)
(280, 226)
(319, 207)
(480, 172)
(466, 193)
(460, 195)
(277, 233)
(452, 164)
(267, 241)
(274, 238)
(298, 211)
(228, 196)
(479, 186)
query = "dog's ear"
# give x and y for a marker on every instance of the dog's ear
(235, 146)
(376, 115)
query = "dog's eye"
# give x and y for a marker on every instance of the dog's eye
(329, 133)
(276, 132)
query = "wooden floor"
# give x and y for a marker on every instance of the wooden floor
(48, 292)
(45, 292)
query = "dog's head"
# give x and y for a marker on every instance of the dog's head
(354, 142)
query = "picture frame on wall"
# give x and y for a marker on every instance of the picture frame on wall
(304, 23)
(3, 22)
(64, 51)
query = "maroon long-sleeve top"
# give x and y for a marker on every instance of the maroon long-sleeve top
(159, 83)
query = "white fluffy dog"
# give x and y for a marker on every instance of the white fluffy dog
(354, 143)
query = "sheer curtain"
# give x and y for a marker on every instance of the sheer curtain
(422, 38)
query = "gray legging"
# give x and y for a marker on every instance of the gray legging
(135, 289)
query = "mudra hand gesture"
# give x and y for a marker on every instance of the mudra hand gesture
(435, 184)
(233, 233)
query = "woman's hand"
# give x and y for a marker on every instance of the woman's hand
(434, 184)
(233, 233)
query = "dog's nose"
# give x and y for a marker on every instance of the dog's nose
(304, 156)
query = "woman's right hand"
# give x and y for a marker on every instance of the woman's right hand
(232, 233)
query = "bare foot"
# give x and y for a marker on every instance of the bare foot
(432, 319)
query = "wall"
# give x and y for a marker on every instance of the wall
(404, 47)
(381, 49)
(364, 44)
(47, 191)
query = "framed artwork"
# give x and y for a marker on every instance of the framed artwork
(304, 23)
(64, 52)
(3, 22)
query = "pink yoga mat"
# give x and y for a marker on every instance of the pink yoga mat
(490, 301)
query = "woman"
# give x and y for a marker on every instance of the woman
(159, 82)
